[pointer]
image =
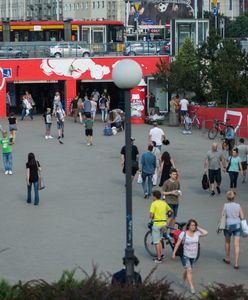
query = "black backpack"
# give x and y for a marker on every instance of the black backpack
(205, 182)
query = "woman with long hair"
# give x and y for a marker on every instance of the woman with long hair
(234, 214)
(234, 167)
(80, 107)
(32, 176)
(167, 163)
(190, 240)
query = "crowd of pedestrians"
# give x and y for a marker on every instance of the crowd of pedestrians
(157, 168)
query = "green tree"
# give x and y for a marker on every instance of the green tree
(184, 73)
(238, 28)
(229, 73)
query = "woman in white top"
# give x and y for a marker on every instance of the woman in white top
(190, 240)
(234, 213)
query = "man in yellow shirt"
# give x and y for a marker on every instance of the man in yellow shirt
(158, 212)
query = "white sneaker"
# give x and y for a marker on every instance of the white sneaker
(50, 137)
(46, 137)
(88, 144)
(6, 172)
(10, 173)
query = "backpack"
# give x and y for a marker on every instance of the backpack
(205, 182)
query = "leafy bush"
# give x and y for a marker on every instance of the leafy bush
(97, 287)
(223, 292)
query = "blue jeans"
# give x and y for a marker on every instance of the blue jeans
(147, 186)
(24, 113)
(233, 179)
(104, 112)
(36, 192)
(7, 161)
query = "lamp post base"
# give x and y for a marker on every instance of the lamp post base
(129, 257)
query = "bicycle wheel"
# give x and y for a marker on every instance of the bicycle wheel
(149, 246)
(212, 133)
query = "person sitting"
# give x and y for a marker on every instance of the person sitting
(120, 276)
(116, 120)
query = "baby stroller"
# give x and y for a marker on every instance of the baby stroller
(187, 122)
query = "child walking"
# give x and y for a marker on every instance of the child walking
(48, 122)
(12, 125)
(60, 115)
(88, 123)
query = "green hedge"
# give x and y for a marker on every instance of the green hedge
(94, 287)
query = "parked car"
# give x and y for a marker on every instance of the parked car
(68, 50)
(11, 52)
(146, 48)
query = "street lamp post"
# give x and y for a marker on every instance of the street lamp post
(126, 75)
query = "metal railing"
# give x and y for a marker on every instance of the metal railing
(13, 50)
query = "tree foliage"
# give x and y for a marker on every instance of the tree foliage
(184, 69)
(216, 70)
(238, 28)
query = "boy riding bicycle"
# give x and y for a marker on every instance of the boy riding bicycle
(158, 213)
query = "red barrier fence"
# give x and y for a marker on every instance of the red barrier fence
(237, 117)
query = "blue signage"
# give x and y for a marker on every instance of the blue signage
(7, 73)
(215, 11)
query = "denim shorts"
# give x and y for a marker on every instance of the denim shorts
(157, 233)
(187, 262)
(233, 229)
(48, 125)
(60, 125)
(174, 207)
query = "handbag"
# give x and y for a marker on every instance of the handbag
(41, 184)
(166, 142)
(205, 181)
(244, 228)
(222, 223)
(229, 164)
(180, 249)
(139, 178)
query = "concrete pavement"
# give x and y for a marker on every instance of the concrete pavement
(81, 216)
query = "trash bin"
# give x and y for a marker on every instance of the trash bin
(173, 119)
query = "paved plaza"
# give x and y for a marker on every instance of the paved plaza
(81, 216)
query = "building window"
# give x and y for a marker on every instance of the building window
(102, 4)
(93, 5)
(98, 4)
(77, 6)
(86, 5)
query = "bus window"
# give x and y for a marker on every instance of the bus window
(86, 35)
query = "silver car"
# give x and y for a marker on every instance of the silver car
(68, 50)
(142, 48)
(11, 52)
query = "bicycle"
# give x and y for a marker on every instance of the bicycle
(195, 121)
(218, 127)
(191, 122)
(167, 239)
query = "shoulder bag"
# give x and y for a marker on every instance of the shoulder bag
(229, 164)
(180, 249)
(41, 184)
(222, 223)
(244, 228)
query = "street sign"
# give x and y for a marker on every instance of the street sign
(215, 11)
(7, 73)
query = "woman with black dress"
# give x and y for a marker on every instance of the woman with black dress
(33, 167)
(167, 163)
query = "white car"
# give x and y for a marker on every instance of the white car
(68, 50)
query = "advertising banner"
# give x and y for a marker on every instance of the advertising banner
(158, 12)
